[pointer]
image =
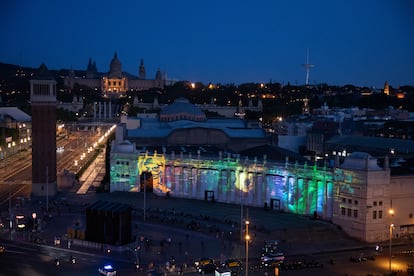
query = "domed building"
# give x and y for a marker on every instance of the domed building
(115, 82)
(182, 109)
(183, 123)
(115, 68)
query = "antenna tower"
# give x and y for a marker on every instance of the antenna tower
(307, 67)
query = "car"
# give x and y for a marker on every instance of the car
(270, 259)
(206, 268)
(232, 263)
(201, 262)
(107, 270)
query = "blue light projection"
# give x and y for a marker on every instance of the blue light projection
(296, 188)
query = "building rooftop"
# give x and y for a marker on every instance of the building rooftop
(234, 128)
(374, 145)
(15, 114)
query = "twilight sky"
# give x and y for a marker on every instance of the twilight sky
(360, 42)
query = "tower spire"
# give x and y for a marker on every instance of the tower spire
(307, 67)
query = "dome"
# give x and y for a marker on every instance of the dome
(182, 109)
(360, 161)
(115, 67)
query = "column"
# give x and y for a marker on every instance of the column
(100, 110)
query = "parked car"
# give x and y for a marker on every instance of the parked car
(206, 268)
(203, 261)
(271, 258)
(232, 264)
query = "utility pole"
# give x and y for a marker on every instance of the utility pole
(10, 214)
(247, 242)
(47, 189)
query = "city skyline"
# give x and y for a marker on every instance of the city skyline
(349, 42)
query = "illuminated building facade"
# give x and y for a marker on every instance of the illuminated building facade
(116, 82)
(344, 194)
(296, 188)
(16, 133)
(355, 194)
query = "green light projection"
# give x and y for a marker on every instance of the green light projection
(154, 164)
(298, 189)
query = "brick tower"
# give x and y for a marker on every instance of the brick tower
(43, 101)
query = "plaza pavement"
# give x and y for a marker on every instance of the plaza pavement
(217, 232)
(167, 224)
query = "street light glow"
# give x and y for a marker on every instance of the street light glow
(247, 222)
(391, 211)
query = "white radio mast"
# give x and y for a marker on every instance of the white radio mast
(307, 67)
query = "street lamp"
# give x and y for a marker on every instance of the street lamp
(390, 253)
(34, 215)
(391, 212)
(247, 246)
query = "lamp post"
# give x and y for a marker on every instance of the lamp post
(390, 253)
(34, 215)
(241, 216)
(47, 189)
(247, 247)
(391, 212)
(10, 199)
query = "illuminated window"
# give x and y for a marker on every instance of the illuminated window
(374, 214)
(355, 213)
(380, 214)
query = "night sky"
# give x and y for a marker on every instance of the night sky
(360, 42)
